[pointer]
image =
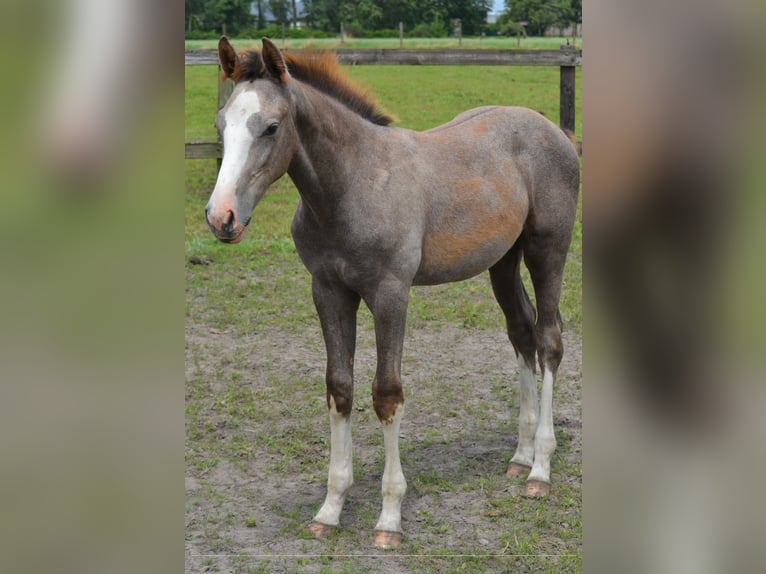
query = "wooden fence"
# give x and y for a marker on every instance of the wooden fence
(568, 58)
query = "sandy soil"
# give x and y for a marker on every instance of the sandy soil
(452, 377)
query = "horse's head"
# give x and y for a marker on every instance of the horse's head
(258, 133)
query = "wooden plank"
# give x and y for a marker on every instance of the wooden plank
(460, 57)
(204, 57)
(203, 150)
(572, 57)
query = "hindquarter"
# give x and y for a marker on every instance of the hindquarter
(478, 196)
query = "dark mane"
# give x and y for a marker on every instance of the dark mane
(321, 71)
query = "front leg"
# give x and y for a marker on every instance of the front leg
(389, 309)
(337, 307)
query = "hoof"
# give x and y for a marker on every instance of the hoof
(321, 531)
(517, 470)
(386, 539)
(537, 489)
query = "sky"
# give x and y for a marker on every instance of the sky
(499, 6)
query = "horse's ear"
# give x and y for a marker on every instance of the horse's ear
(227, 56)
(274, 62)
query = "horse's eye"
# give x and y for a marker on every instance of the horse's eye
(272, 129)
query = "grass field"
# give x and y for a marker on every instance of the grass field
(257, 433)
(493, 42)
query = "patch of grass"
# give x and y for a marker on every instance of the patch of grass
(234, 419)
(201, 102)
(295, 523)
(433, 524)
(430, 481)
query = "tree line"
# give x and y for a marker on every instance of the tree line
(365, 17)
(538, 15)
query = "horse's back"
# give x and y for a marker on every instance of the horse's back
(463, 117)
(526, 127)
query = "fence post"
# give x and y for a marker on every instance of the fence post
(401, 34)
(567, 94)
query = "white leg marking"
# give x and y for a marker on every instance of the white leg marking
(545, 440)
(525, 451)
(394, 485)
(341, 474)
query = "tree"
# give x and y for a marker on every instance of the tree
(194, 10)
(328, 15)
(576, 7)
(368, 14)
(507, 26)
(280, 9)
(323, 14)
(295, 14)
(375, 14)
(472, 13)
(260, 21)
(235, 14)
(540, 14)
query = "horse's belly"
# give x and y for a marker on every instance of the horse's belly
(471, 225)
(448, 257)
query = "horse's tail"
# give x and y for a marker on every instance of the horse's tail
(577, 144)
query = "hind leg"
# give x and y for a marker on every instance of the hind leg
(520, 316)
(545, 256)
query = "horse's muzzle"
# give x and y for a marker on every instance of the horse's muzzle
(226, 228)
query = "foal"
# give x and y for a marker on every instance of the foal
(383, 208)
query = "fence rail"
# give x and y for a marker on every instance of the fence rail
(563, 57)
(567, 59)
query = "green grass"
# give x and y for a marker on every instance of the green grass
(473, 42)
(261, 270)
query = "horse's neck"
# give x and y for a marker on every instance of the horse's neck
(331, 137)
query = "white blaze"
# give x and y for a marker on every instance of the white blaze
(237, 139)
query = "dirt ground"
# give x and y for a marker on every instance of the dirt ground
(458, 433)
